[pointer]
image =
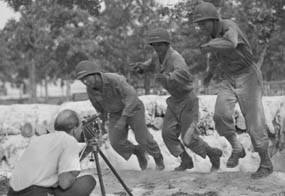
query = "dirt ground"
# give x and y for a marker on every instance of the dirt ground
(171, 183)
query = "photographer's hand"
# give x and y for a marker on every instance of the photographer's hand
(95, 142)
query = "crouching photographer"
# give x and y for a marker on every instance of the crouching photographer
(51, 164)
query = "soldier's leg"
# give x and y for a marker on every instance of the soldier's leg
(170, 134)
(119, 138)
(224, 122)
(144, 137)
(250, 100)
(190, 133)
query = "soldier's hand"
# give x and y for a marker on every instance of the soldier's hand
(138, 67)
(205, 48)
(121, 123)
(160, 78)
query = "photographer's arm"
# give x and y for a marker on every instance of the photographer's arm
(66, 179)
(68, 162)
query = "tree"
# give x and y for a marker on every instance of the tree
(45, 28)
(262, 21)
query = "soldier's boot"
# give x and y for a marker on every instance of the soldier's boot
(265, 168)
(159, 162)
(214, 155)
(140, 153)
(186, 162)
(234, 158)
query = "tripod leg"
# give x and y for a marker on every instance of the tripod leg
(99, 173)
(115, 172)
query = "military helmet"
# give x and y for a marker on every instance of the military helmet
(158, 35)
(205, 11)
(66, 120)
(85, 68)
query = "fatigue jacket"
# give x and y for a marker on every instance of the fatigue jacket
(179, 80)
(231, 48)
(117, 95)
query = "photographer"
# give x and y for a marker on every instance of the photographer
(50, 165)
(110, 93)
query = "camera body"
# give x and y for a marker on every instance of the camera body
(91, 127)
(91, 131)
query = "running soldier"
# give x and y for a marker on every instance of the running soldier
(242, 83)
(110, 94)
(182, 112)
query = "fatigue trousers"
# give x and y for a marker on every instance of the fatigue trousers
(83, 186)
(180, 113)
(245, 89)
(119, 138)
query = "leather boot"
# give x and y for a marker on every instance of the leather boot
(159, 162)
(214, 155)
(234, 158)
(186, 162)
(140, 153)
(265, 168)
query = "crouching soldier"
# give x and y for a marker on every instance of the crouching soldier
(110, 94)
(182, 111)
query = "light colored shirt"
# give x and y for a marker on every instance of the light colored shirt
(45, 158)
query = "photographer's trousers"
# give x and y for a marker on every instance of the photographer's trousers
(119, 138)
(245, 89)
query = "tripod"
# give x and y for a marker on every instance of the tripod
(92, 128)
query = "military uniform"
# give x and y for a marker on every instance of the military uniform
(119, 99)
(182, 106)
(182, 111)
(110, 94)
(241, 83)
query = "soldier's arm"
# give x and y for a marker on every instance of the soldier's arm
(129, 97)
(211, 70)
(95, 104)
(180, 73)
(229, 41)
(146, 66)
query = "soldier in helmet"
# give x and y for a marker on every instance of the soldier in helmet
(182, 112)
(110, 94)
(50, 165)
(241, 82)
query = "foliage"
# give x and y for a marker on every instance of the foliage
(56, 34)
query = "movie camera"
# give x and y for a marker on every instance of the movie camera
(92, 131)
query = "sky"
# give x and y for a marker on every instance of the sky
(6, 14)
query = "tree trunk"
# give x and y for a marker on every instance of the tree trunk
(46, 89)
(262, 56)
(68, 90)
(33, 85)
(147, 83)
